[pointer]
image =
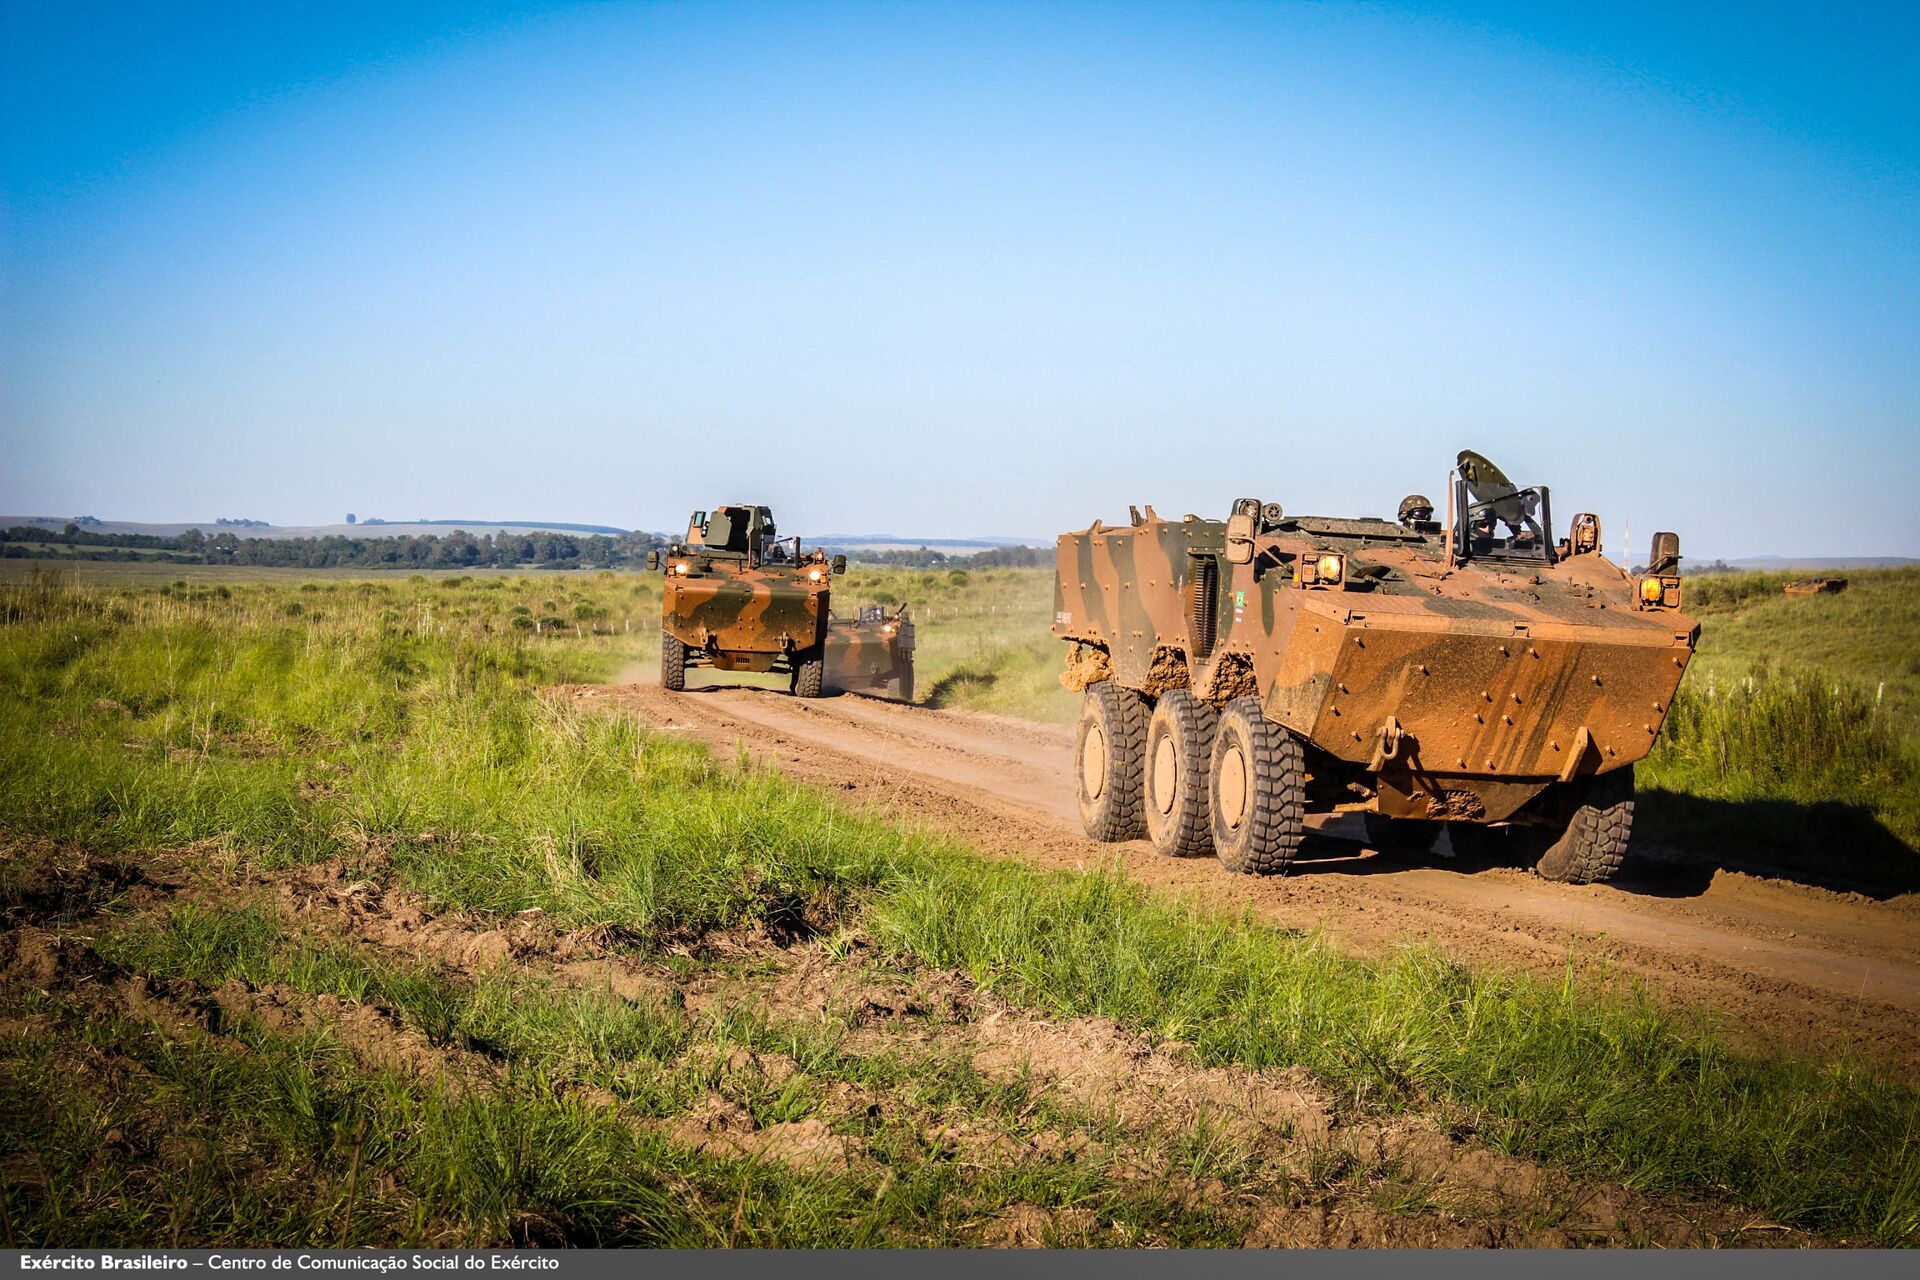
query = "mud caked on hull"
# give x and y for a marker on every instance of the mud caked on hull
(1426, 672)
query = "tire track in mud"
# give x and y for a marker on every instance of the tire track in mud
(1773, 962)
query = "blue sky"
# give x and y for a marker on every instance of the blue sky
(958, 269)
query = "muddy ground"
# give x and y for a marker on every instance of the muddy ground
(1775, 962)
(1270, 1157)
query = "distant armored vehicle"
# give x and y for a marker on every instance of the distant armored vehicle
(740, 598)
(872, 652)
(1816, 587)
(1477, 673)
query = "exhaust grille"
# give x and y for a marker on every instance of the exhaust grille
(1203, 603)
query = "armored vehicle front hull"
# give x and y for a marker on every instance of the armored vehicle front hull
(746, 619)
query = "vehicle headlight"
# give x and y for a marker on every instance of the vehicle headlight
(1652, 590)
(1331, 568)
(682, 568)
(813, 575)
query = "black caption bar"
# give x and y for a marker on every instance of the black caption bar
(617, 1264)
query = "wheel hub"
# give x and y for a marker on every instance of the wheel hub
(1166, 783)
(1231, 786)
(1093, 762)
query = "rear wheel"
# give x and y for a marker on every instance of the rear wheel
(1258, 791)
(1585, 844)
(1109, 750)
(809, 673)
(1401, 837)
(1179, 754)
(1595, 841)
(673, 662)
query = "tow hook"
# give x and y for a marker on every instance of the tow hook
(1386, 744)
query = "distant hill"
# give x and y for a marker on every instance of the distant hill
(895, 540)
(261, 529)
(1811, 562)
(375, 528)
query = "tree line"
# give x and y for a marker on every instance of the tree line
(926, 558)
(458, 549)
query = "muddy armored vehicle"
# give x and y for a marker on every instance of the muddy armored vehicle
(872, 652)
(1475, 673)
(739, 597)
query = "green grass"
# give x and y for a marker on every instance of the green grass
(983, 636)
(1868, 635)
(401, 727)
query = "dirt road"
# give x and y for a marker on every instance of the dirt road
(1770, 960)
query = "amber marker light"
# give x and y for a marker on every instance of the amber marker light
(1651, 590)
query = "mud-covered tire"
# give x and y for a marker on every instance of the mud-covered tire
(1401, 837)
(903, 683)
(1595, 841)
(1109, 762)
(673, 663)
(1179, 756)
(1257, 791)
(809, 674)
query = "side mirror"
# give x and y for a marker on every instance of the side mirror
(1666, 554)
(1240, 537)
(839, 564)
(653, 559)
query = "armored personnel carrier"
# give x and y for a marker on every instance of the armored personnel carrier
(1477, 673)
(739, 597)
(872, 652)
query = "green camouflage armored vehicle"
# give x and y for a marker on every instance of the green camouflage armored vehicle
(738, 597)
(1479, 674)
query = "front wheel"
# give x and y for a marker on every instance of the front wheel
(809, 674)
(1594, 843)
(673, 663)
(1258, 791)
(903, 683)
(1109, 756)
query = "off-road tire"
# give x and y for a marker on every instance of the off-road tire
(809, 673)
(903, 683)
(673, 663)
(1257, 791)
(1594, 843)
(1109, 762)
(1401, 837)
(1179, 755)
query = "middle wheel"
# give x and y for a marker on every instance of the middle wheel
(1179, 754)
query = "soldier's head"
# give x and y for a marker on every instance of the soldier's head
(1416, 508)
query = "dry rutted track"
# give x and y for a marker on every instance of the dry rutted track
(1775, 960)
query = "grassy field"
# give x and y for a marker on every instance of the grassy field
(325, 925)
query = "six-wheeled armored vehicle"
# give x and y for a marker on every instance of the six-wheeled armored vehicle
(1478, 674)
(739, 597)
